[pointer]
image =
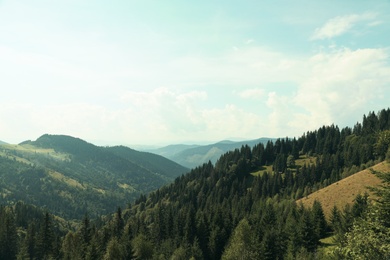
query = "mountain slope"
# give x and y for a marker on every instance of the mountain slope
(192, 156)
(222, 211)
(70, 176)
(344, 191)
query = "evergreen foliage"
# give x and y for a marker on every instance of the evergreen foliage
(70, 177)
(223, 211)
(369, 235)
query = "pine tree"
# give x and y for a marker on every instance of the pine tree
(72, 247)
(45, 238)
(28, 247)
(196, 252)
(336, 221)
(369, 236)
(307, 232)
(8, 235)
(242, 243)
(118, 223)
(321, 226)
(142, 248)
(114, 250)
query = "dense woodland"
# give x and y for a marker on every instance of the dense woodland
(223, 211)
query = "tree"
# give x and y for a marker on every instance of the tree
(336, 220)
(115, 250)
(45, 243)
(307, 232)
(383, 201)
(269, 246)
(367, 239)
(369, 236)
(72, 247)
(360, 205)
(216, 242)
(382, 144)
(290, 161)
(319, 220)
(142, 248)
(242, 243)
(196, 252)
(118, 224)
(8, 235)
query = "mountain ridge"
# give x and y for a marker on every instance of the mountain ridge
(192, 156)
(87, 178)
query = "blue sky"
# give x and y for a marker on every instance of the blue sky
(162, 72)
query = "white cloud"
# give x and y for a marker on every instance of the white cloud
(249, 41)
(338, 86)
(77, 119)
(342, 24)
(280, 117)
(341, 84)
(182, 116)
(253, 93)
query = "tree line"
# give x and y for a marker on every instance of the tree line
(223, 211)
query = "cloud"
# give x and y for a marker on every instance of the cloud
(77, 119)
(253, 93)
(183, 116)
(280, 117)
(342, 24)
(249, 41)
(340, 84)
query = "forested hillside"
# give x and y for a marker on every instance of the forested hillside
(243, 207)
(70, 177)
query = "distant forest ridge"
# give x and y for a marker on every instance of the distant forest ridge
(192, 156)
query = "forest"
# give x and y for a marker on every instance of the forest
(243, 207)
(68, 176)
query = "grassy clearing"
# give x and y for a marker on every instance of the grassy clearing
(327, 245)
(11, 151)
(262, 170)
(304, 159)
(69, 181)
(344, 191)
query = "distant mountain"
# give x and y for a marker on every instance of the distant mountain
(1, 142)
(70, 176)
(192, 156)
(171, 150)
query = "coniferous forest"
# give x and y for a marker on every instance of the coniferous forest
(243, 207)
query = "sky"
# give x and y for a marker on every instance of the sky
(167, 72)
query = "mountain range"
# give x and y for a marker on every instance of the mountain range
(192, 156)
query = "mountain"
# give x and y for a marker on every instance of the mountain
(171, 150)
(1, 142)
(192, 156)
(70, 176)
